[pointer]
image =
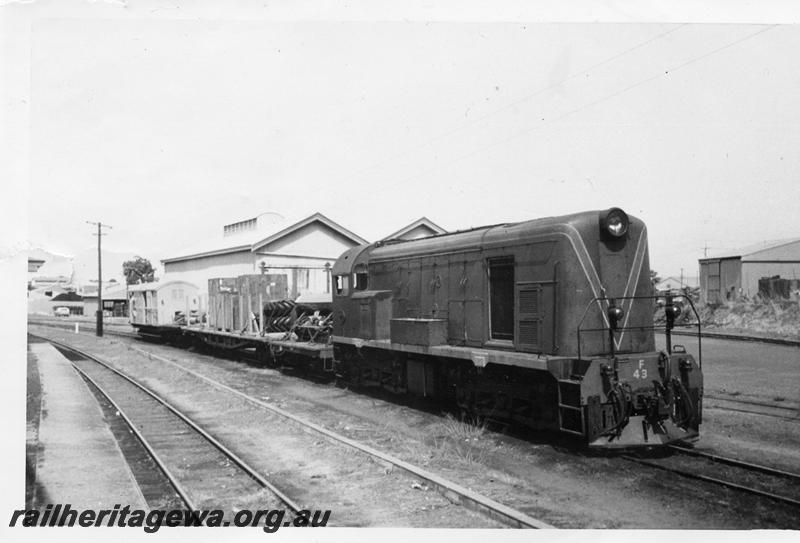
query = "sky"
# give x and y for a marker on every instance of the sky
(168, 127)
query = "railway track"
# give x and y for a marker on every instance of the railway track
(192, 460)
(85, 327)
(774, 478)
(755, 407)
(764, 481)
(452, 491)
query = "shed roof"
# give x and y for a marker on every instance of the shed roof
(68, 297)
(316, 217)
(423, 222)
(753, 251)
(252, 240)
(157, 285)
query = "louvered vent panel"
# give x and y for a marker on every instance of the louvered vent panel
(528, 330)
(529, 333)
(529, 301)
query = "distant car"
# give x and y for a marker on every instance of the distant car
(62, 312)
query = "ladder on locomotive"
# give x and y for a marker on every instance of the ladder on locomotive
(570, 410)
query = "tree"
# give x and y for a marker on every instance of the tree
(654, 278)
(138, 270)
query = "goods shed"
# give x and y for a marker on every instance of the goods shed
(269, 243)
(728, 276)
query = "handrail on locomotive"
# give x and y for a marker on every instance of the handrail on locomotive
(671, 312)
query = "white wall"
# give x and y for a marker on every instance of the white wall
(314, 240)
(421, 231)
(300, 255)
(199, 270)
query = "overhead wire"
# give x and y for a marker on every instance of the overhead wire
(513, 104)
(580, 108)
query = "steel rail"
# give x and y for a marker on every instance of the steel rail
(452, 491)
(714, 480)
(242, 464)
(737, 463)
(796, 418)
(184, 495)
(751, 402)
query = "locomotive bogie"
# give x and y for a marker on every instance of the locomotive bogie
(494, 392)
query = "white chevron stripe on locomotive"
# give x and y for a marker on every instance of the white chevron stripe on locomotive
(630, 287)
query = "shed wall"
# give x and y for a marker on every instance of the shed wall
(314, 239)
(730, 276)
(720, 279)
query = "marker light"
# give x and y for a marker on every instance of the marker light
(673, 311)
(615, 315)
(615, 222)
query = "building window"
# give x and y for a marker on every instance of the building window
(501, 298)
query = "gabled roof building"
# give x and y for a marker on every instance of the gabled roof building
(676, 283)
(421, 228)
(303, 250)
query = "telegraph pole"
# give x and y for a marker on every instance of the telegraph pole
(99, 327)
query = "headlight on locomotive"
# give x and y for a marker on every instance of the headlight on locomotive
(614, 223)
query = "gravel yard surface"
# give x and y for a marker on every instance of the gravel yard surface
(562, 486)
(314, 472)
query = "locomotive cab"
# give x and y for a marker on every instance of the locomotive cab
(360, 312)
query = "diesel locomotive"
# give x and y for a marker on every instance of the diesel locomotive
(547, 322)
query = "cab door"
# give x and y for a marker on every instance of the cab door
(456, 297)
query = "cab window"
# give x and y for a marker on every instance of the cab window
(360, 278)
(342, 285)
